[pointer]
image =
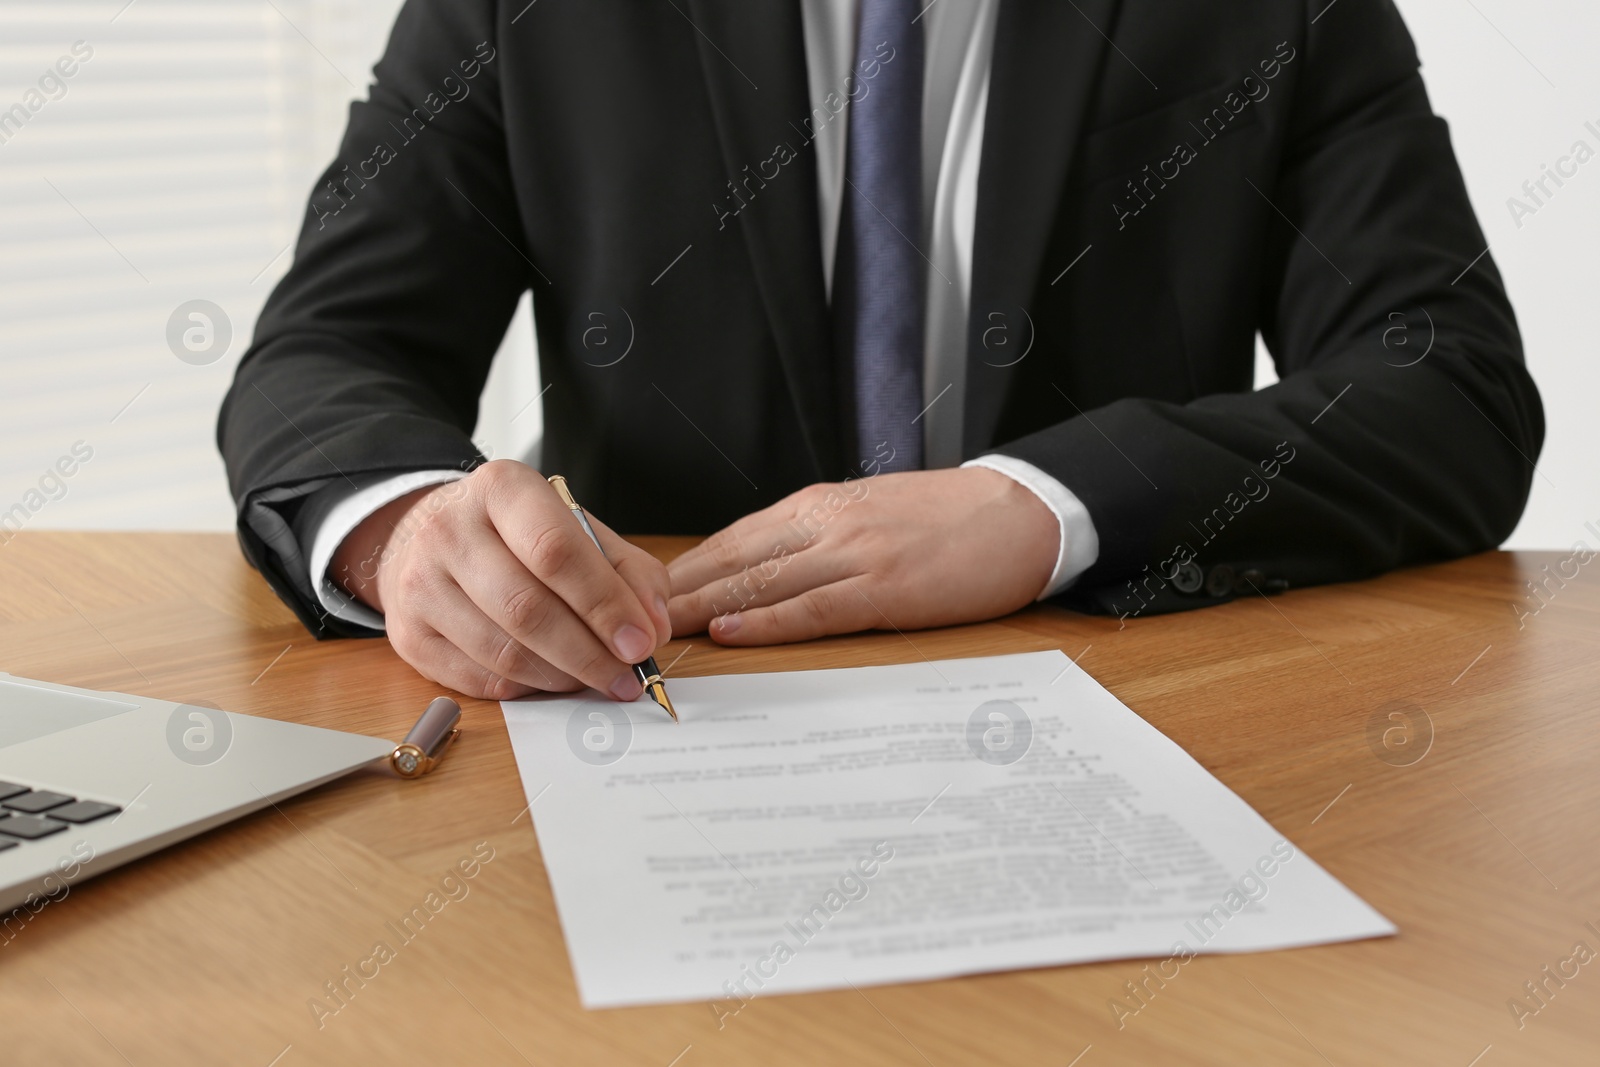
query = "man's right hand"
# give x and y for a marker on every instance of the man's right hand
(490, 586)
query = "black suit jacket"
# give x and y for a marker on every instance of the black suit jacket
(1207, 169)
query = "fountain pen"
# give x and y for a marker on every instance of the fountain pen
(647, 672)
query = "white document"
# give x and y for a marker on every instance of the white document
(818, 829)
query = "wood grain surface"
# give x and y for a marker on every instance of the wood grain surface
(1474, 829)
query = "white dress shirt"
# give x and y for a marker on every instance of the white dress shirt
(959, 42)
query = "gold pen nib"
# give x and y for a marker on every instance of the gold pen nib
(658, 693)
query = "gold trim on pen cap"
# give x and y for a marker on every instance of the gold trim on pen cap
(425, 745)
(560, 485)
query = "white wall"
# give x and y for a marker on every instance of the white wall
(177, 163)
(1518, 80)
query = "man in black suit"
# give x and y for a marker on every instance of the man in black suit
(930, 310)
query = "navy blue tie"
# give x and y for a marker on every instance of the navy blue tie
(879, 283)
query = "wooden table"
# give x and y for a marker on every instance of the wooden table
(1485, 850)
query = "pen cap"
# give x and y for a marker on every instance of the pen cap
(433, 729)
(559, 484)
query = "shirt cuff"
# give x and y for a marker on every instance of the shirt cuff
(1080, 544)
(344, 517)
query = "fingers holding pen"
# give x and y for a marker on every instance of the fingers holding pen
(519, 603)
(548, 541)
(644, 574)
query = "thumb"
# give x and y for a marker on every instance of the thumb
(643, 573)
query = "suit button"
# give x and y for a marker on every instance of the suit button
(1220, 581)
(1250, 581)
(1188, 578)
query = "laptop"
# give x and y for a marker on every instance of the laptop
(90, 780)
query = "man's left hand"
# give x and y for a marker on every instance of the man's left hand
(895, 551)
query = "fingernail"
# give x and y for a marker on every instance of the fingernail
(626, 687)
(729, 624)
(633, 644)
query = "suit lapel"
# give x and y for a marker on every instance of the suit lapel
(765, 42)
(1047, 60)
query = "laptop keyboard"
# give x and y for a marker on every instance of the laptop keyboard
(29, 814)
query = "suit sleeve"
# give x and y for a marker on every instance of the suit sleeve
(370, 355)
(1391, 459)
